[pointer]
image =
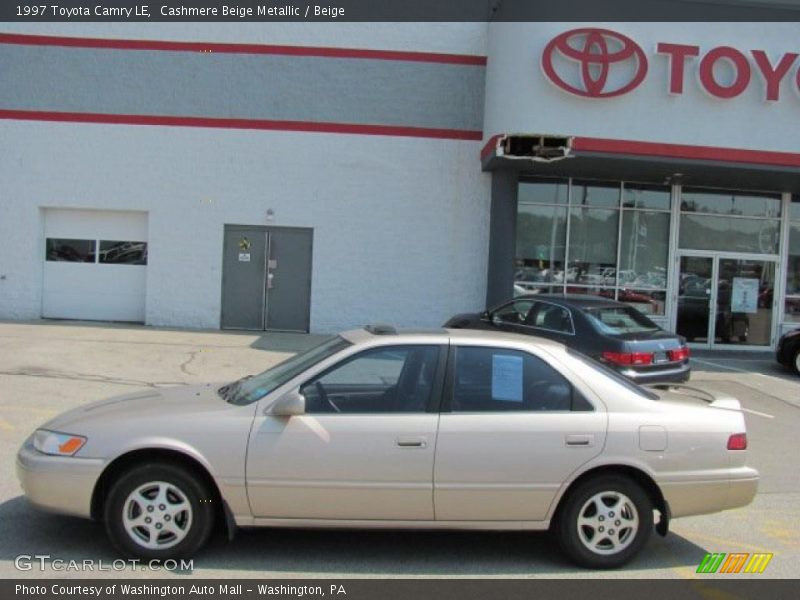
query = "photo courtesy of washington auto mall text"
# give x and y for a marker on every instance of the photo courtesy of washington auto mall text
(238, 590)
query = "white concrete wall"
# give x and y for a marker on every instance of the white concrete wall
(400, 224)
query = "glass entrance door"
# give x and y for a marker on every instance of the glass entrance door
(725, 301)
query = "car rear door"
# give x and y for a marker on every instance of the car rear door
(513, 428)
(364, 448)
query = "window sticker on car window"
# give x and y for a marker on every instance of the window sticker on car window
(507, 378)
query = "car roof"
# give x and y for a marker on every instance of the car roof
(442, 336)
(576, 300)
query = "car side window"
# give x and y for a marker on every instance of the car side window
(551, 317)
(498, 379)
(514, 313)
(389, 379)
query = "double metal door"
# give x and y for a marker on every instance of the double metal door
(266, 278)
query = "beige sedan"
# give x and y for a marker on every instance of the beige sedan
(449, 429)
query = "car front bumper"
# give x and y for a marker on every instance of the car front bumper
(58, 483)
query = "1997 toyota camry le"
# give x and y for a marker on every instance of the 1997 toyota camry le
(448, 429)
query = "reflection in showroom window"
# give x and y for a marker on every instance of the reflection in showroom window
(70, 250)
(618, 242)
(123, 253)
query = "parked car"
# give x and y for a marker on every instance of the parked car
(611, 332)
(417, 430)
(788, 353)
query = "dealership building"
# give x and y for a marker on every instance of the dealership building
(316, 177)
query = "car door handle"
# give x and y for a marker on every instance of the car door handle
(411, 442)
(579, 440)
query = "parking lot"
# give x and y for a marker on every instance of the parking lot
(48, 367)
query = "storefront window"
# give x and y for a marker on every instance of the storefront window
(541, 243)
(730, 234)
(592, 246)
(597, 261)
(645, 196)
(595, 194)
(792, 305)
(730, 203)
(729, 221)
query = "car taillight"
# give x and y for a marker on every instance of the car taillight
(629, 358)
(737, 441)
(681, 353)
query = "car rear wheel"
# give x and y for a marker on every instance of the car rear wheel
(159, 511)
(796, 360)
(604, 522)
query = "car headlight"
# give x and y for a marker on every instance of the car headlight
(57, 443)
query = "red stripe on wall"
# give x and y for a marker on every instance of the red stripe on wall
(490, 146)
(226, 48)
(263, 124)
(655, 149)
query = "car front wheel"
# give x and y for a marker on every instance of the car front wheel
(159, 511)
(604, 522)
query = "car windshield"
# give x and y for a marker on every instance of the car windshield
(616, 320)
(611, 373)
(252, 388)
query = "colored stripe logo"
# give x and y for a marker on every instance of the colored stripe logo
(735, 562)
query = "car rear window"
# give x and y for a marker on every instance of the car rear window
(616, 320)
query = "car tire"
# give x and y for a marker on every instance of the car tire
(604, 522)
(796, 360)
(177, 503)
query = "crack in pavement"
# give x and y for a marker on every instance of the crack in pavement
(185, 364)
(51, 374)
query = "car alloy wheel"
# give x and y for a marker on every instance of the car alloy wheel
(608, 522)
(159, 510)
(604, 521)
(157, 515)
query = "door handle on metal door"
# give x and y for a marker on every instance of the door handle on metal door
(411, 442)
(580, 440)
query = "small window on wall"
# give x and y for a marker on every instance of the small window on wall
(69, 250)
(123, 253)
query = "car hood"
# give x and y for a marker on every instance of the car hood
(160, 404)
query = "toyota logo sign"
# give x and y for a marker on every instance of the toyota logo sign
(591, 57)
(600, 63)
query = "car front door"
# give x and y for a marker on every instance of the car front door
(364, 448)
(512, 430)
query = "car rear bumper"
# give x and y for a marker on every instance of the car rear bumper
(672, 374)
(57, 483)
(691, 497)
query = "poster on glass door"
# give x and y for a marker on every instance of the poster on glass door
(744, 298)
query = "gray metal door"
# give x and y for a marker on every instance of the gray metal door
(244, 272)
(289, 283)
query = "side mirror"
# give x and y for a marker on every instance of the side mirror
(289, 405)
